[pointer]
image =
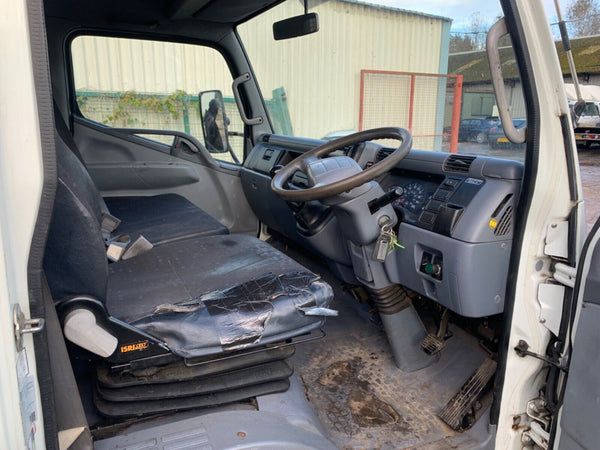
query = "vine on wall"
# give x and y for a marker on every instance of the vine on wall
(125, 104)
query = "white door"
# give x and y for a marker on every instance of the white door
(21, 424)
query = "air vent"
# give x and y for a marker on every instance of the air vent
(505, 223)
(458, 163)
(384, 153)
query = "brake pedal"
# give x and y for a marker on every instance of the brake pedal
(459, 406)
(432, 344)
(435, 343)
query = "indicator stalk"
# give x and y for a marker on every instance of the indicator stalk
(393, 194)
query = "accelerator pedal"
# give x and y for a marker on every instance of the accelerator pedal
(435, 343)
(457, 409)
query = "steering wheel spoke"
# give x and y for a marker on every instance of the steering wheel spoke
(305, 163)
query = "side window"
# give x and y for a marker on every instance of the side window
(133, 83)
(590, 109)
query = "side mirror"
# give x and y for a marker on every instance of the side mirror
(296, 26)
(576, 111)
(214, 121)
(579, 107)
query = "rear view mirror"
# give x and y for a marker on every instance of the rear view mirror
(214, 121)
(296, 26)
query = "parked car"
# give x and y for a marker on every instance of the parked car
(476, 129)
(590, 116)
(333, 135)
(497, 139)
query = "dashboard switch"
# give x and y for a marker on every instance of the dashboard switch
(432, 265)
(451, 183)
(442, 195)
(434, 206)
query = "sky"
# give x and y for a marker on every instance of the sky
(461, 10)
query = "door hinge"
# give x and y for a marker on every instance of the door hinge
(557, 240)
(540, 417)
(535, 435)
(24, 326)
(565, 274)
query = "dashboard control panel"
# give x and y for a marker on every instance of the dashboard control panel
(431, 202)
(457, 216)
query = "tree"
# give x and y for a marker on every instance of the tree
(583, 17)
(474, 36)
(461, 43)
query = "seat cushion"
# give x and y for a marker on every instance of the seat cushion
(212, 294)
(162, 218)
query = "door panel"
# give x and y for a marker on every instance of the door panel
(130, 93)
(134, 166)
(581, 411)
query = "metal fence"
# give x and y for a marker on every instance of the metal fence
(428, 105)
(177, 111)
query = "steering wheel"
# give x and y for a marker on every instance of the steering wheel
(332, 176)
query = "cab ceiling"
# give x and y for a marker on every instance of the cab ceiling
(156, 14)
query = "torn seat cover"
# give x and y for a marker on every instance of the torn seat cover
(209, 295)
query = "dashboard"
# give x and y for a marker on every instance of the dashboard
(455, 221)
(418, 189)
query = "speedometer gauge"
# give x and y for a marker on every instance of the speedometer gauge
(413, 198)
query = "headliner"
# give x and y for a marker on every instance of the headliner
(156, 14)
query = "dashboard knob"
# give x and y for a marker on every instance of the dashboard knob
(398, 191)
(433, 269)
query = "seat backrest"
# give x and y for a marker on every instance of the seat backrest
(75, 260)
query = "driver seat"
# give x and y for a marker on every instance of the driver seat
(193, 299)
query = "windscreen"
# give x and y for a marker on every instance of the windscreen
(416, 65)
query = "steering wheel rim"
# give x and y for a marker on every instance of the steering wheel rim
(328, 190)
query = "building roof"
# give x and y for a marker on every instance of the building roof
(474, 68)
(397, 10)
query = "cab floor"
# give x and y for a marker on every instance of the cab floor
(362, 399)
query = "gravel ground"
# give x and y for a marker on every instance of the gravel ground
(589, 167)
(589, 163)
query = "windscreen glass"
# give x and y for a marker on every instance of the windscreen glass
(390, 63)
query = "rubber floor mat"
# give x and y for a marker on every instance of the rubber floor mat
(362, 399)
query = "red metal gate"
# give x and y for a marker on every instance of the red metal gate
(428, 105)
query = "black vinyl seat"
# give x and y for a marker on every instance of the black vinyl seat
(191, 298)
(209, 295)
(162, 218)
